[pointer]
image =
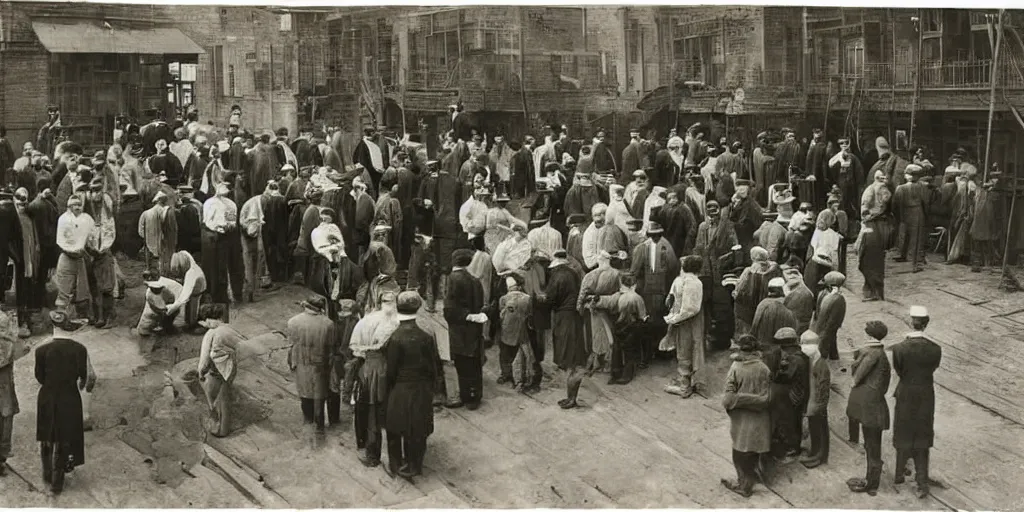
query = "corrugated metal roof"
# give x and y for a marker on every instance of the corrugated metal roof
(94, 37)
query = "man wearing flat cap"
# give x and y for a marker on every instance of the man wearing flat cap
(829, 314)
(866, 407)
(313, 337)
(915, 360)
(910, 205)
(772, 314)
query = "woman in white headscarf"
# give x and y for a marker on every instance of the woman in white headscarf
(618, 212)
(655, 200)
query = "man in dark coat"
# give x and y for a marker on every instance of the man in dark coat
(745, 215)
(236, 159)
(561, 294)
(523, 175)
(409, 178)
(264, 165)
(372, 152)
(772, 314)
(790, 380)
(166, 163)
(604, 160)
(632, 157)
(915, 360)
(866, 408)
(189, 216)
(816, 164)
(910, 204)
(679, 223)
(413, 364)
(62, 369)
(313, 337)
(463, 310)
(275, 232)
(845, 171)
(439, 200)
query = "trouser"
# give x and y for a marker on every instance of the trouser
(54, 457)
(912, 234)
(873, 454)
(626, 352)
(538, 342)
(254, 261)
(30, 292)
(6, 435)
(650, 337)
(746, 469)
(818, 427)
(920, 456)
(300, 268)
(223, 264)
(151, 319)
(72, 284)
(828, 345)
(842, 257)
(313, 411)
(983, 253)
(451, 383)
(471, 375)
(333, 408)
(506, 354)
(684, 362)
(366, 437)
(405, 450)
(218, 396)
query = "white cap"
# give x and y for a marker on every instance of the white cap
(777, 282)
(918, 312)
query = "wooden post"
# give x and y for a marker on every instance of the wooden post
(992, 92)
(271, 87)
(917, 77)
(522, 68)
(895, 75)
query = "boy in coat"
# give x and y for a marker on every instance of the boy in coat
(313, 337)
(866, 407)
(817, 402)
(746, 400)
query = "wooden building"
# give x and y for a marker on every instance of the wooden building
(94, 61)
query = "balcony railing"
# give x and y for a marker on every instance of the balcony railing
(544, 73)
(975, 74)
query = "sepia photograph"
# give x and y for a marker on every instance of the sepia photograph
(535, 256)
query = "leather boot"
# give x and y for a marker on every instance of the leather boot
(106, 319)
(46, 456)
(572, 390)
(628, 373)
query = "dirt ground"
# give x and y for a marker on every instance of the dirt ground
(630, 447)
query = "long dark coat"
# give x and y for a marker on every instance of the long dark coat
(801, 302)
(915, 360)
(871, 374)
(442, 190)
(654, 285)
(745, 399)
(771, 315)
(713, 243)
(313, 337)
(580, 199)
(631, 161)
(60, 365)
(680, 227)
(189, 217)
(264, 168)
(411, 375)
(465, 297)
(275, 234)
(561, 294)
(831, 312)
(665, 170)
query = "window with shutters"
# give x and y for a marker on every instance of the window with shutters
(853, 57)
(230, 81)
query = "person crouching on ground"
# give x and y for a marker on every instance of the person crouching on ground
(817, 402)
(746, 399)
(161, 293)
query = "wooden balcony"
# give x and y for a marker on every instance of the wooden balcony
(960, 75)
(501, 73)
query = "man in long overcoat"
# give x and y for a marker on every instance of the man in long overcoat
(915, 360)
(866, 408)
(63, 370)
(655, 266)
(313, 338)
(745, 399)
(831, 311)
(772, 314)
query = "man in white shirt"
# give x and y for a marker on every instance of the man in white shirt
(473, 214)
(222, 246)
(251, 221)
(161, 292)
(74, 228)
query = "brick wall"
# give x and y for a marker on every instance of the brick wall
(23, 93)
(240, 31)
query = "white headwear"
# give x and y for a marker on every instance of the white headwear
(918, 312)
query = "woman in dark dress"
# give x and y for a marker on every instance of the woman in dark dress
(62, 369)
(412, 367)
(570, 349)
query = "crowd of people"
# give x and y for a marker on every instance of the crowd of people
(680, 245)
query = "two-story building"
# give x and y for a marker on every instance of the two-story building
(738, 68)
(873, 67)
(94, 61)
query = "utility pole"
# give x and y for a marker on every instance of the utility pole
(522, 68)
(992, 93)
(917, 75)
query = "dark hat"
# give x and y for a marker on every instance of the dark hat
(503, 198)
(787, 130)
(62, 321)
(185, 189)
(634, 222)
(748, 343)
(282, 132)
(786, 333)
(655, 229)
(577, 218)
(876, 329)
(462, 257)
(560, 253)
(316, 302)
(712, 205)
(845, 138)
(634, 130)
(536, 223)
(762, 135)
(82, 187)
(408, 304)
(315, 193)
(744, 183)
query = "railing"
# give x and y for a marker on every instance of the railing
(773, 78)
(502, 73)
(964, 75)
(711, 75)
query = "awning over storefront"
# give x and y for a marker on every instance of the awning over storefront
(104, 37)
